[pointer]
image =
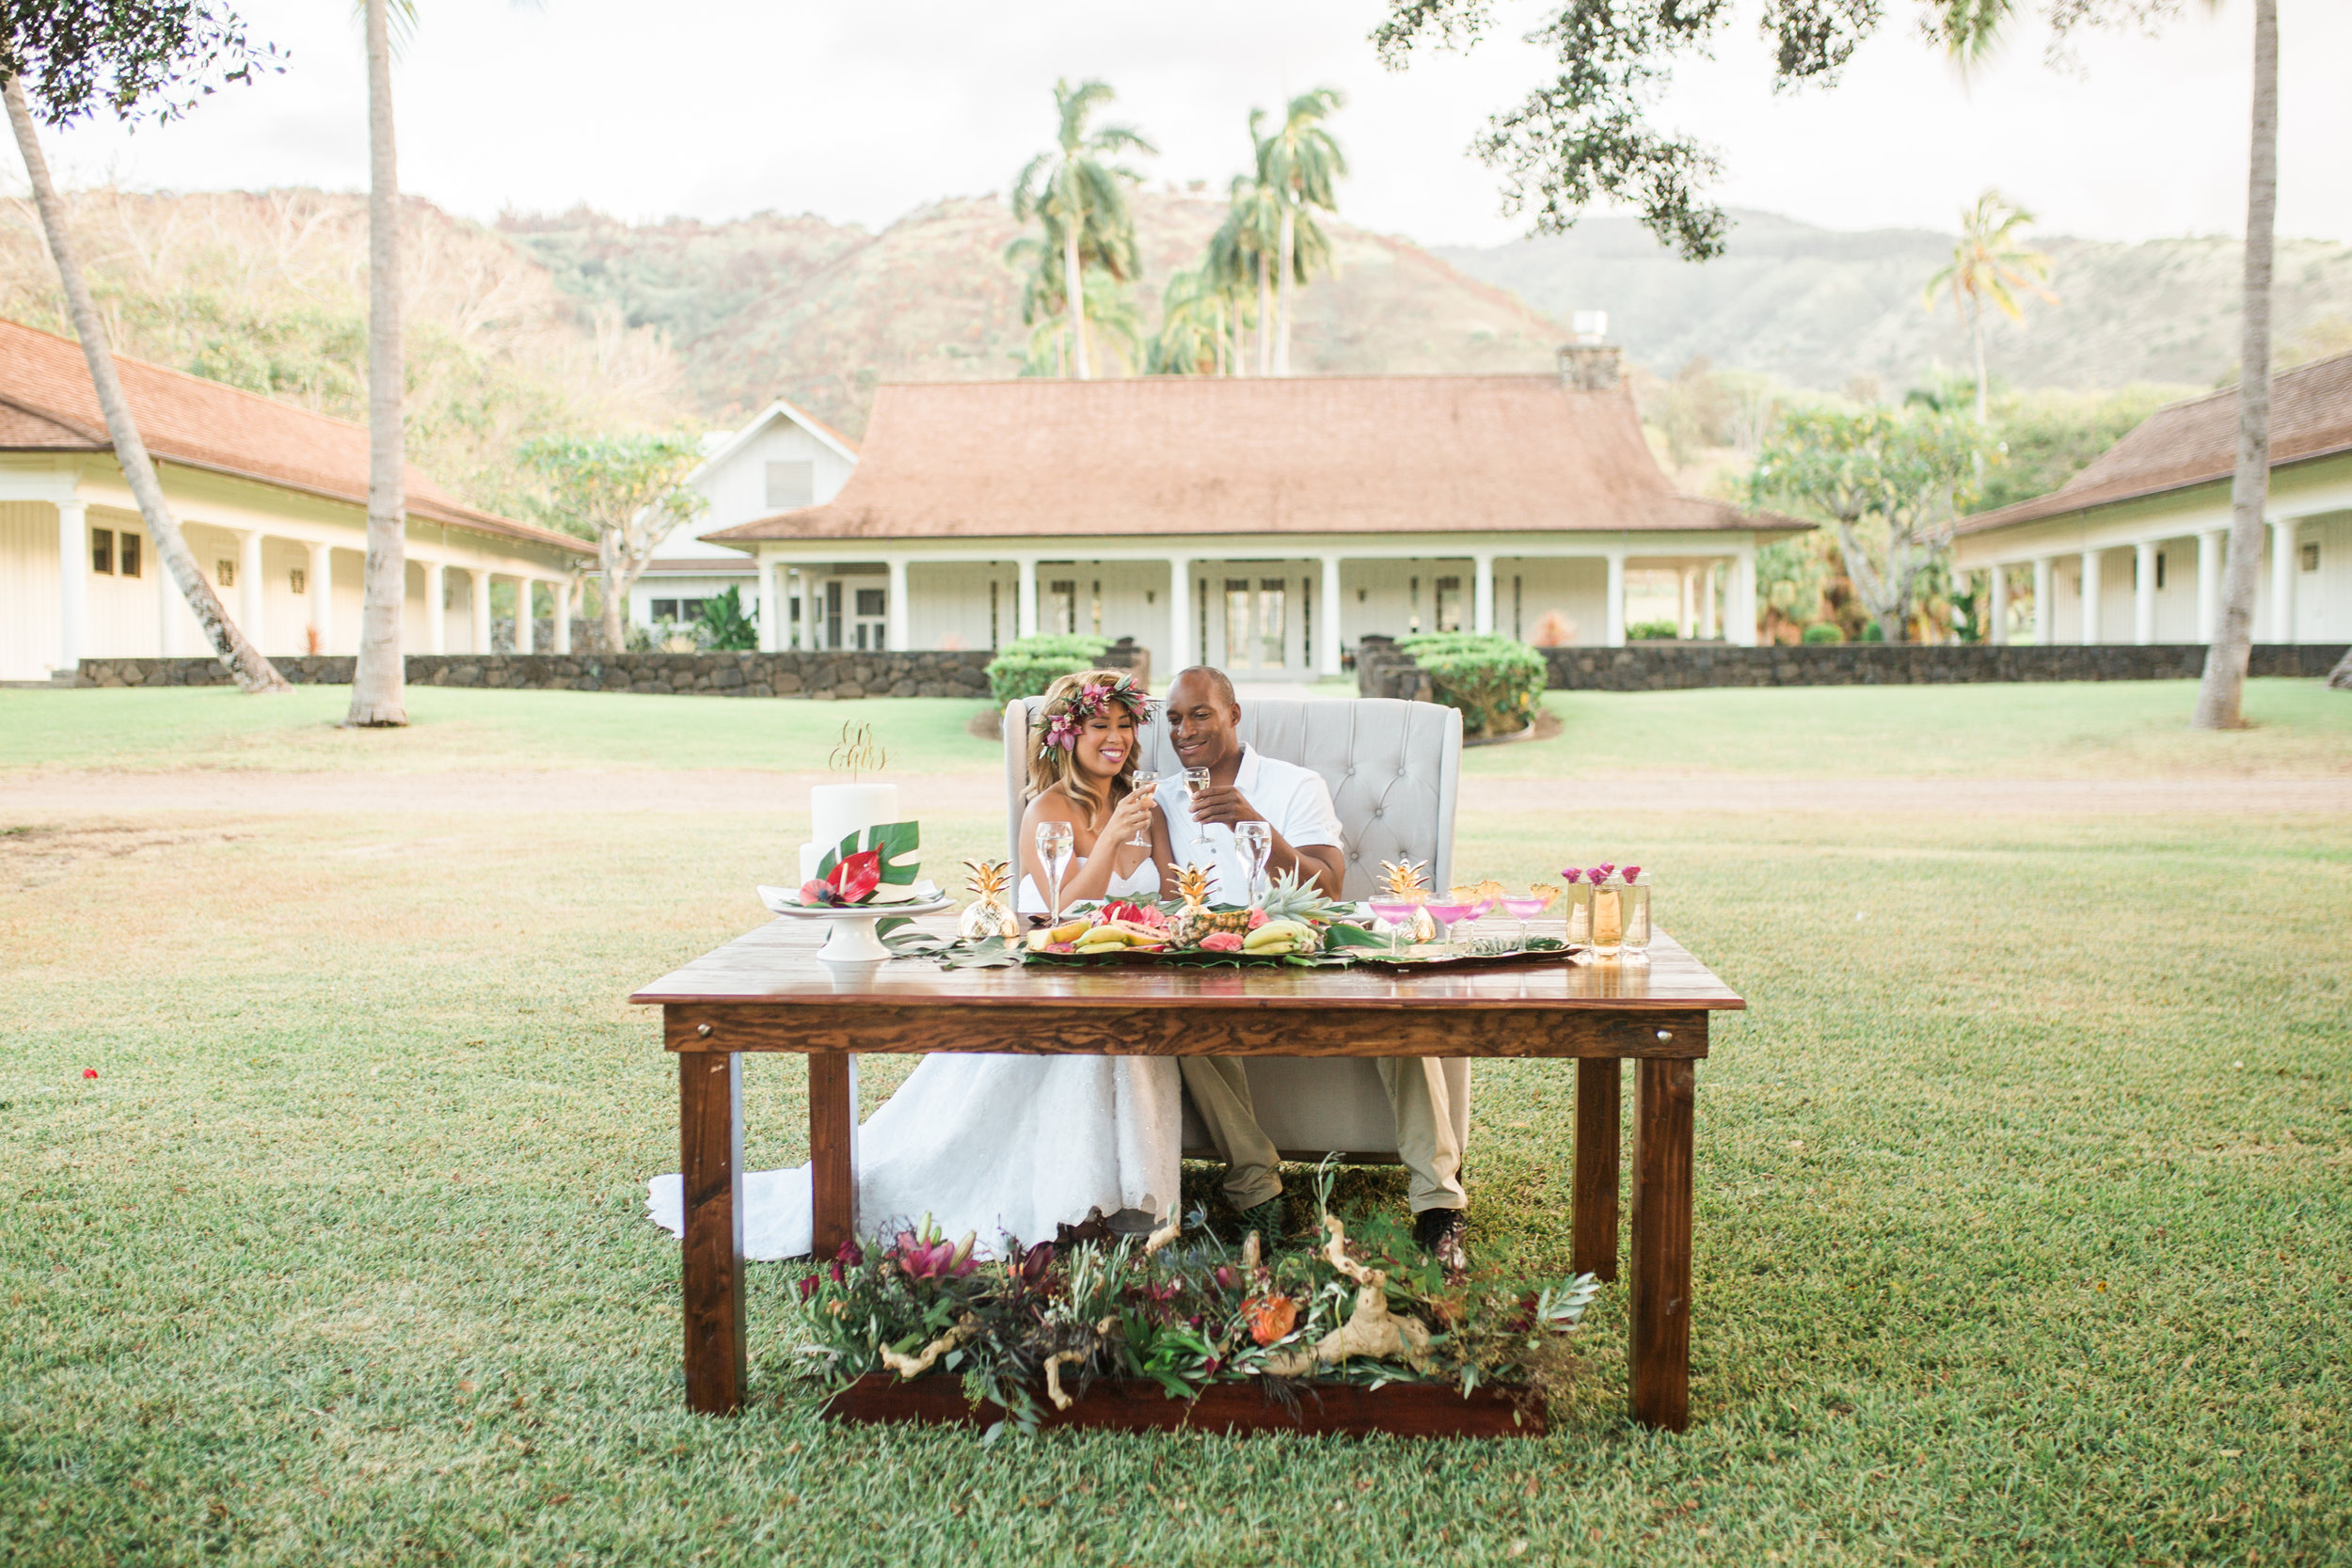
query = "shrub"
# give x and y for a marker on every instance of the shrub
(1026, 666)
(1824, 631)
(1495, 681)
(1652, 631)
(723, 627)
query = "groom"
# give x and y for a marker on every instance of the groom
(1293, 801)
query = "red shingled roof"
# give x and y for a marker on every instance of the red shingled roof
(2194, 442)
(47, 403)
(1177, 455)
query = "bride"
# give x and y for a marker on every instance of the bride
(1019, 1145)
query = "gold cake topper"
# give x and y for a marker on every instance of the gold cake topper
(859, 752)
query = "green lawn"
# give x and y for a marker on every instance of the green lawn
(2108, 729)
(2024, 1233)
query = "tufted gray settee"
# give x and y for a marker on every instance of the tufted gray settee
(1394, 769)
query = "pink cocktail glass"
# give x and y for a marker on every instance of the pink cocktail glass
(1449, 916)
(1526, 909)
(1394, 913)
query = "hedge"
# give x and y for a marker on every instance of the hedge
(1028, 665)
(1496, 681)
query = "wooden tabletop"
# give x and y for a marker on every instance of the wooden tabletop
(774, 972)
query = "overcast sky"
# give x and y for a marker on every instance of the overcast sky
(717, 108)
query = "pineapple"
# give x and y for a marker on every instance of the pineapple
(1191, 923)
(1299, 902)
(990, 913)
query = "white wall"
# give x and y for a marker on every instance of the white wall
(1576, 589)
(2323, 599)
(28, 589)
(737, 487)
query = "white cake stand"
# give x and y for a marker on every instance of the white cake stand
(850, 939)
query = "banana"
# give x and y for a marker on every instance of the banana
(1100, 947)
(1273, 931)
(1069, 932)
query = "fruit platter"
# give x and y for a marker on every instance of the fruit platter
(1294, 922)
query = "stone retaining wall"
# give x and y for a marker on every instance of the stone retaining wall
(1668, 666)
(825, 675)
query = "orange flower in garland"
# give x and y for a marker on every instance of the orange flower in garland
(1270, 1317)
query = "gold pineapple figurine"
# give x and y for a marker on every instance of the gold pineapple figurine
(1403, 879)
(990, 913)
(1195, 920)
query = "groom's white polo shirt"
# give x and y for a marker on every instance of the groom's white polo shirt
(1294, 799)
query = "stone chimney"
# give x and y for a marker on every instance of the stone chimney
(1589, 363)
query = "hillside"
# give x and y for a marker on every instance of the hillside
(1817, 307)
(820, 312)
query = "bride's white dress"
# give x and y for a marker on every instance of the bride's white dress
(998, 1144)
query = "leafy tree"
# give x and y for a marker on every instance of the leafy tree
(1892, 485)
(1194, 316)
(1990, 264)
(626, 493)
(1302, 163)
(1080, 199)
(155, 58)
(1112, 321)
(2047, 437)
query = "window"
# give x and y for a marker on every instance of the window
(791, 484)
(993, 588)
(1061, 606)
(1236, 620)
(833, 613)
(1446, 602)
(1272, 597)
(298, 583)
(1200, 603)
(2159, 571)
(1412, 606)
(1098, 607)
(2310, 556)
(225, 573)
(102, 551)
(1515, 600)
(869, 601)
(665, 610)
(127, 557)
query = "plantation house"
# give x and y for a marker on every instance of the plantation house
(783, 459)
(273, 502)
(1262, 525)
(2131, 549)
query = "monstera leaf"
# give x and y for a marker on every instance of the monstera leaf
(894, 843)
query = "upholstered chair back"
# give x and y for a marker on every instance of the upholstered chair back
(1394, 769)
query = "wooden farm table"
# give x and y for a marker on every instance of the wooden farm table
(766, 992)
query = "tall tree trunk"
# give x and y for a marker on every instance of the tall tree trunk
(1283, 332)
(1239, 363)
(2222, 692)
(1265, 317)
(616, 598)
(244, 661)
(377, 680)
(1072, 284)
(2339, 678)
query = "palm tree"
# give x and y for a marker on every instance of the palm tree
(377, 678)
(1108, 308)
(1989, 264)
(1241, 254)
(1194, 310)
(1303, 164)
(1081, 198)
(246, 665)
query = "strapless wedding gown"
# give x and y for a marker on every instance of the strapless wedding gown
(1004, 1145)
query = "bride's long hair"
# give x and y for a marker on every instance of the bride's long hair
(1070, 702)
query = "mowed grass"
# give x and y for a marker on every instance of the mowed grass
(2118, 729)
(2024, 1226)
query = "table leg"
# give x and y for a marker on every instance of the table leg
(1659, 1355)
(833, 1150)
(1599, 1095)
(710, 1151)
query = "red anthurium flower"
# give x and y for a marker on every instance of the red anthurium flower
(89, 1072)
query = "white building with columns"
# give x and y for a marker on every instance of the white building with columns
(1260, 525)
(273, 502)
(2131, 549)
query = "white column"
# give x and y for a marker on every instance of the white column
(1742, 605)
(436, 607)
(1029, 596)
(1613, 634)
(323, 595)
(478, 586)
(899, 639)
(1707, 601)
(562, 591)
(2213, 550)
(1686, 622)
(72, 584)
(2044, 601)
(2282, 582)
(1180, 653)
(2144, 592)
(526, 619)
(1328, 657)
(1997, 619)
(771, 611)
(251, 606)
(1482, 594)
(2090, 597)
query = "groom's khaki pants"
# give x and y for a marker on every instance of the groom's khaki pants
(1417, 1096)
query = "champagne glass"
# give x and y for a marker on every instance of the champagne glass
(1197, 780)
(1449, 916)
(1395, 914)
(1144, 781)
(1527, 907)
(1255, 840)
(1055, 846)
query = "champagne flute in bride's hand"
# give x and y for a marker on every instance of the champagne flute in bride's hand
(1144, 779)
(1054, 847)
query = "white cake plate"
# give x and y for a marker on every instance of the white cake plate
(850, 939)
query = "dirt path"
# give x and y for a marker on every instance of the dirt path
(50, 795)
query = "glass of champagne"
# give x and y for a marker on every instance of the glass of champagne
(1054, 849)
(1144, 781)
(1197, 780)
(1255, 840)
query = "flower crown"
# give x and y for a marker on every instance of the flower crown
(1092, 701)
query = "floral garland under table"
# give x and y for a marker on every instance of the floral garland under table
(767, 991)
